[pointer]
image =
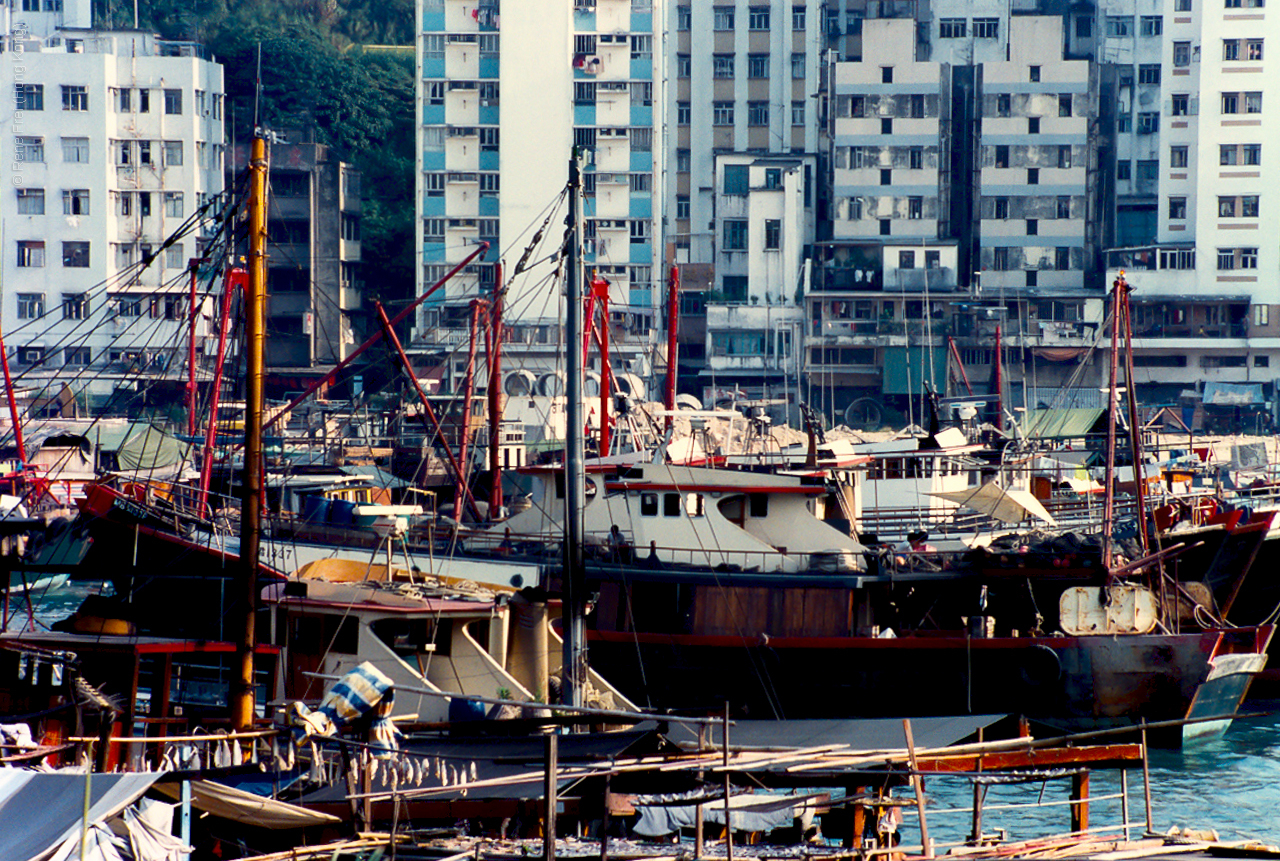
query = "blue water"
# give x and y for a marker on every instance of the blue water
(1230, 784)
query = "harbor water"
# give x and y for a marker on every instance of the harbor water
(1230, 784)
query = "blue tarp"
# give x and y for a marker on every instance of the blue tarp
(1233, 394)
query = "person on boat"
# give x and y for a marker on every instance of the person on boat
(619, 549)
(917, 542)
(507, 547)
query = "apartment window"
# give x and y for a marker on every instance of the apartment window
(1033, 74)
(1149, 73)
(30, 355)
(906, 260)
(1249, 206)
(1124, 170)
(986, 28)
(75, 255)
(683, 160)
(489, 184)
(173, 204)
(854, 211)
(1178, 208)
(124, 203)
(433, 230)
(917, 105)
(915, 158)
(1148, 122)
(75, 98)
(682, 206)
(1231, 103)
(30, 254)
(952, 28)
(722, 113)
(1177, 156)
(29, 97)
(684, 17)
(433, 92)
(642, 47)
(722, 65)
(735, 234)
(144, 152)
(915, 208)
(684, 65)
(173, 258)
(1033, 176)
(772, 234)
(1064, 104)
(1228, 154)
(797, 67)
(31, 201)
(758, 66)
(75, 201)
(1181, 54)
(144, 101)
(1033, 125)
(1148, 169)
(30, 306)
(1248, 258)
(797, 113)
(1253, 103)
(683, 113)
(722, 17)
(886, 227)
(1119, 26)
(433, 183)
(758, 18)
(75, 306)
(1033, 227)
(1180, 104)
(1002, 155)
(489, 94)
(1062, 258)
(1084, 27)
(736, 179)
(797, 18)
(886, 125)
(886, 74)
(488, 139)
(1004, 104)
(1063, 208)
(1151, 25)
(29, 149)
(1252, 153)
(1001, 208)
(758, 113)
(1253, 49)
(1231, 49)
(641, 139)
(1000, 259)
(886, 177)
(773, 178)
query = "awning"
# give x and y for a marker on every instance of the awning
(1233, 394)
(1059, 354)
(1062, 422)
(1007, 506)
(246, 808)
(39, 812)
(860, 734)
(906, 368)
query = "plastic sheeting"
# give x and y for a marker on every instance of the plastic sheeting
(40, 812)
(247, 808)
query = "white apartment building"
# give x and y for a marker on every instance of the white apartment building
(117, 141)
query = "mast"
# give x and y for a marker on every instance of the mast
(673, 325)
(14, 415)
(495, 393)
(242, 706)
(191, 354)
(600, 292)
(1109, 493)
(575, 652)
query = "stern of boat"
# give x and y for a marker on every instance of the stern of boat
(1237, 658)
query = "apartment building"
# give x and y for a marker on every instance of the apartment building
(118, 142)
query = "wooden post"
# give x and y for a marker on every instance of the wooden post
(918, 784)
(1146, 778)
(366, 787)
(1124, 801)
(859, 814)
(604, 820)
(728, 821)
(1080, 801)
(549, 795)
(978, 793)
(698, 844)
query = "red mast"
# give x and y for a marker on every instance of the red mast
(495, 392)
(673, 325)
(600, 292)
(468, 391)
(191, 354)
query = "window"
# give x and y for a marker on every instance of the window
(1124, 170)
(173, 204)
(173, 257)
(1253, 103)
(886, 177)
(722, 17)
(683, 113)
(76, 356)
(1004, 104)
(144, 101)
(433, 183)
(1033, 74)
(1064, 156)
(75, 255)
(1001, 208)
(29, 97)
(1228, 154)
(757, 113)
(797, 67)
(1231, 49)
(144, 152)
(735, 234)
(128, 304)
(886, 74)
(75, 98)
(917, 105)
(682, 206)
(75, 306)
(124, 203)
(642, 47)
(797, 18)
(1063, 207)
(1249, 206)
(915, 208)
(1119, 26)
(758, 66)
(906, 260)
(735, 179)
(722, 65)
(1149, 73)
(433, 92)
(772, 234)
(886, 126)
(758, 18)
(1178, 208)
(1182, 5)
(1253, 49)
(1033, 227)
(1000, 259)
(489, 184)
(1248, 258)
(1151, 25)
(684, 67)
(488, 93)
(1231, 103)
(1002, 155)
(1033, 176)
(1148, 169)
(31, 201)
(986, 28)
(1064, 104)
(1261, 315)
(1033, 125)
(952, 28)
(30, 254)
(684, 17)
(75, 150)
(29, 149)
(683, 160)
(30, 306)
(1252, 154)
(488, 139)
(797, 113)
(1181, 54)
(722, 113)
(75, 201)
(173, 101)
(1180, 104)
(1177, 156)
(1148, 122)
(30, 355)
(915, 158)
(886, 227)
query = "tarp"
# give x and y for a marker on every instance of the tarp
(1065, 422)
(1233, 394)
(39, 812)
(1005, 505)
(860, 734)
(750, 812)
(246, 808)
(146, 447)
(905, 367)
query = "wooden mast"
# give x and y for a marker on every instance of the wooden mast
(242, 695)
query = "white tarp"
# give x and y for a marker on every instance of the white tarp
(39, 812)
(1007, 506)
(247, 808)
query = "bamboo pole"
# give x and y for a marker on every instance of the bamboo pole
(1146, 778)
(698, 845)
(549, 794)
(918, 784)
(728, 821)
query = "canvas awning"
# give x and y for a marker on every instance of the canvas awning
(1063, 422)
(1005, 505)
(39, 812)
(227, 802)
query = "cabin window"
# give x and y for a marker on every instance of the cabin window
(893, 467)
(671, 505)
(314, 635)
(759, 505)
(649, 505)
(695, 505)
(410, 637)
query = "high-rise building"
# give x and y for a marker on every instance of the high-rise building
(117, 142)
